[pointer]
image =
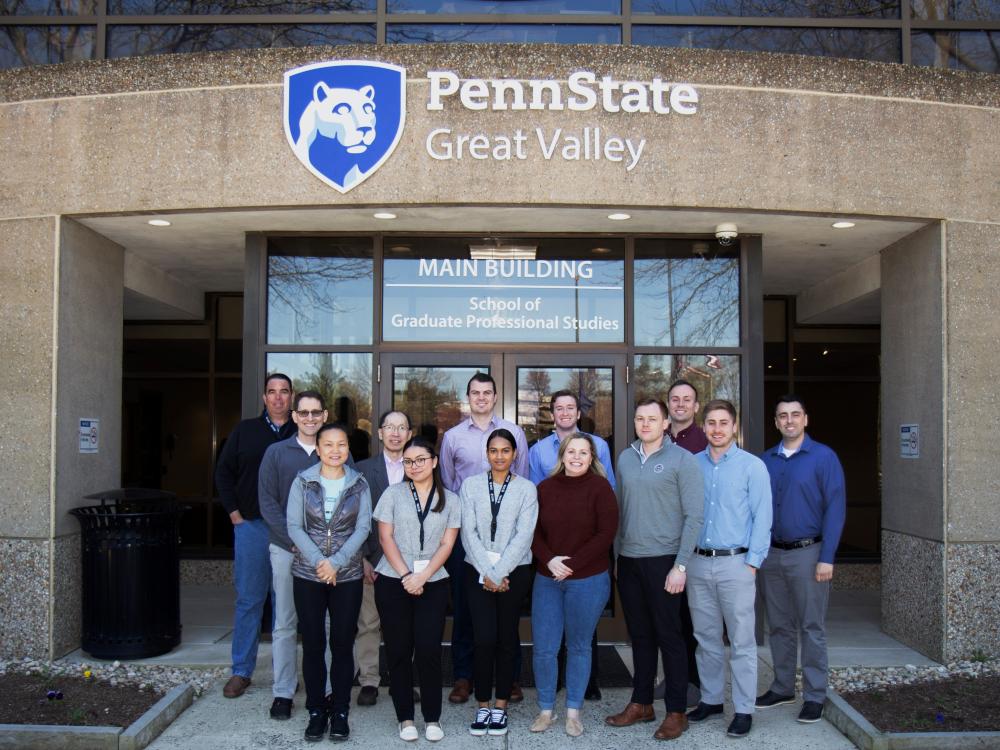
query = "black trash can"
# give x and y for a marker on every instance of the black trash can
(131, 573)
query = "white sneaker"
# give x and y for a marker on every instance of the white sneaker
(434, 732)
(408, 733)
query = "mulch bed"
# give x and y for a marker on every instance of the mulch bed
(23, 700)
(955, 705)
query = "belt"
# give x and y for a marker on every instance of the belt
(798, 543)
(721, 552)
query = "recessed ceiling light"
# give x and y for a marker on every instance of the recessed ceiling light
(843, 224)
(384, 215)
(619, 217)
(158, 223)
(399, 249)
(601, 250)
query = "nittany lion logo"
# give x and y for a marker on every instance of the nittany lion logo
(343, 119)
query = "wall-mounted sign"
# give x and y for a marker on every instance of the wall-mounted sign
(90, 434)
(909, 441)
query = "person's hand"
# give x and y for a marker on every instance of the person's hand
(558, 569)
(489, 585)
(414, 583)
(369, 572)
(236, 517)
(504, 586)
(824, 572)
(753, 570)
(326, 572)
(675, 581)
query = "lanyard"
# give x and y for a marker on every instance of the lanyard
(421, 514)
(274, 428)
(495, 501)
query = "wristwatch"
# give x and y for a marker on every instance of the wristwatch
(681, 568)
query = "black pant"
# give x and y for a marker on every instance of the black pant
(413, 625)
(653, 618)
(495, 619)
(313, 600)
(690, 642)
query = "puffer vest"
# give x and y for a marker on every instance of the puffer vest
(330, 536)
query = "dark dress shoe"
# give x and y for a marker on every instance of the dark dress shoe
(516, 694)
(633, 714)
(281, 709)
(771, 699)
(674, 724)
(704, 710)
(460, 692)
(368, 696)
(317, 725)
(339, 728)
(740, 725)
(811, 712)
(236, 686)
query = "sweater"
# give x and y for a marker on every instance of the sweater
(237, 470)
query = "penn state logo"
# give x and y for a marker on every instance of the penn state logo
(343, 119)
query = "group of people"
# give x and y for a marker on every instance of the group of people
(689, 525)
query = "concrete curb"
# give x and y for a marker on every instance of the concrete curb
(864, 735)
(142, 732)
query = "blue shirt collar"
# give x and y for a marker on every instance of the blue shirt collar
(806, 445)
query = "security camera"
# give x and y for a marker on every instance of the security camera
(726, 233)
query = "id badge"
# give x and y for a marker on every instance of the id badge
(419, 565)
(494, 558)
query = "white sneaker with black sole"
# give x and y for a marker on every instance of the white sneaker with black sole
(481, 725)
(498, 722)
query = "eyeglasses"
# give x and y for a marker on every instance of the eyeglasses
(416, 462)
(306, 413)
(396, 427)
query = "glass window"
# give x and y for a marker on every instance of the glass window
(344, 379)
(235, 7)
(687, 293)
(511, 33)
(956, 10)
(128, 40)
(531, 290)
(963, 50)
(523, 7)
(322, 294)
(48, 7)
(37, 45)
(771, 8)
(594, 387)
(864, 44)
(713, 375)
(433, 397)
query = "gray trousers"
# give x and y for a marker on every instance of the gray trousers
(796, 607)
(723, 589)
(284, 634)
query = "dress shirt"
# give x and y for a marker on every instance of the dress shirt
(393, 469)
(737, 503)
(543, 454)
(691, 438)
(463, 451)
(810, 497)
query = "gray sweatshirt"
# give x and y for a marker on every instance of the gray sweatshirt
(661, 502)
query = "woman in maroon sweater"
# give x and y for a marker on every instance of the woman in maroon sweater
(577, 522)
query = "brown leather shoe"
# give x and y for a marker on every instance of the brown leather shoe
(460, 692)
(633, 714)
(236, 686)
(516, 694)
(674, 725)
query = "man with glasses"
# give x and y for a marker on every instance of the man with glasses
(381, 470)
(281, 463)
(236, 475)
(463, 454)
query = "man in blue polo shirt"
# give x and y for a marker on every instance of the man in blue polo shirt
(807, 486)
(565, 414)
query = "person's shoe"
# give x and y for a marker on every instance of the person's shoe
(704, 710)
(481, 723)
(593, 692)
(633, 713)
(542, 722)
(339, 728)
(693, 695)
(740, 725)
(236, 686)
(317, 725)
(771, 699)
(674, 724)
(408, 733)
(516, 694)
(460, 691)
(811, 712)
(433, 732)
(498, 723)
(281, 709)
(573, 726)
(368, 696)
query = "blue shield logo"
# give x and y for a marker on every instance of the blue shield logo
(343, 119)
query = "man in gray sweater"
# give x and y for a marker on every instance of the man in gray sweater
(662, 502)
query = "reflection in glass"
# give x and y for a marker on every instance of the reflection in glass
(344, 380)
(128, 40)
(47, 7)
(771, 8)
(38, 45)
(432, 397)
(320, 300)
(235, 7)
(522, 7)
(862, 44)
(686, 293)
(594, 387)
(511, 33)
(963, 50)
(956, 10)
(713, 376)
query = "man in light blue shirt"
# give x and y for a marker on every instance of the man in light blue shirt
(734, 541)
(565, 414)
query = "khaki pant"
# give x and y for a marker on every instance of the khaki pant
(367, 642)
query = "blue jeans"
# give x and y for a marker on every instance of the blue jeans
(573, 605)
(252, 577)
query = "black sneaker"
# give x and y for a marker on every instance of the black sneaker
(740, 725)
(498, 722)
(704, 710)
(368, 696)
(811, 712)
(771, 699)
(281, 709)
(479, 727)
(317, 725)
(339, 730)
